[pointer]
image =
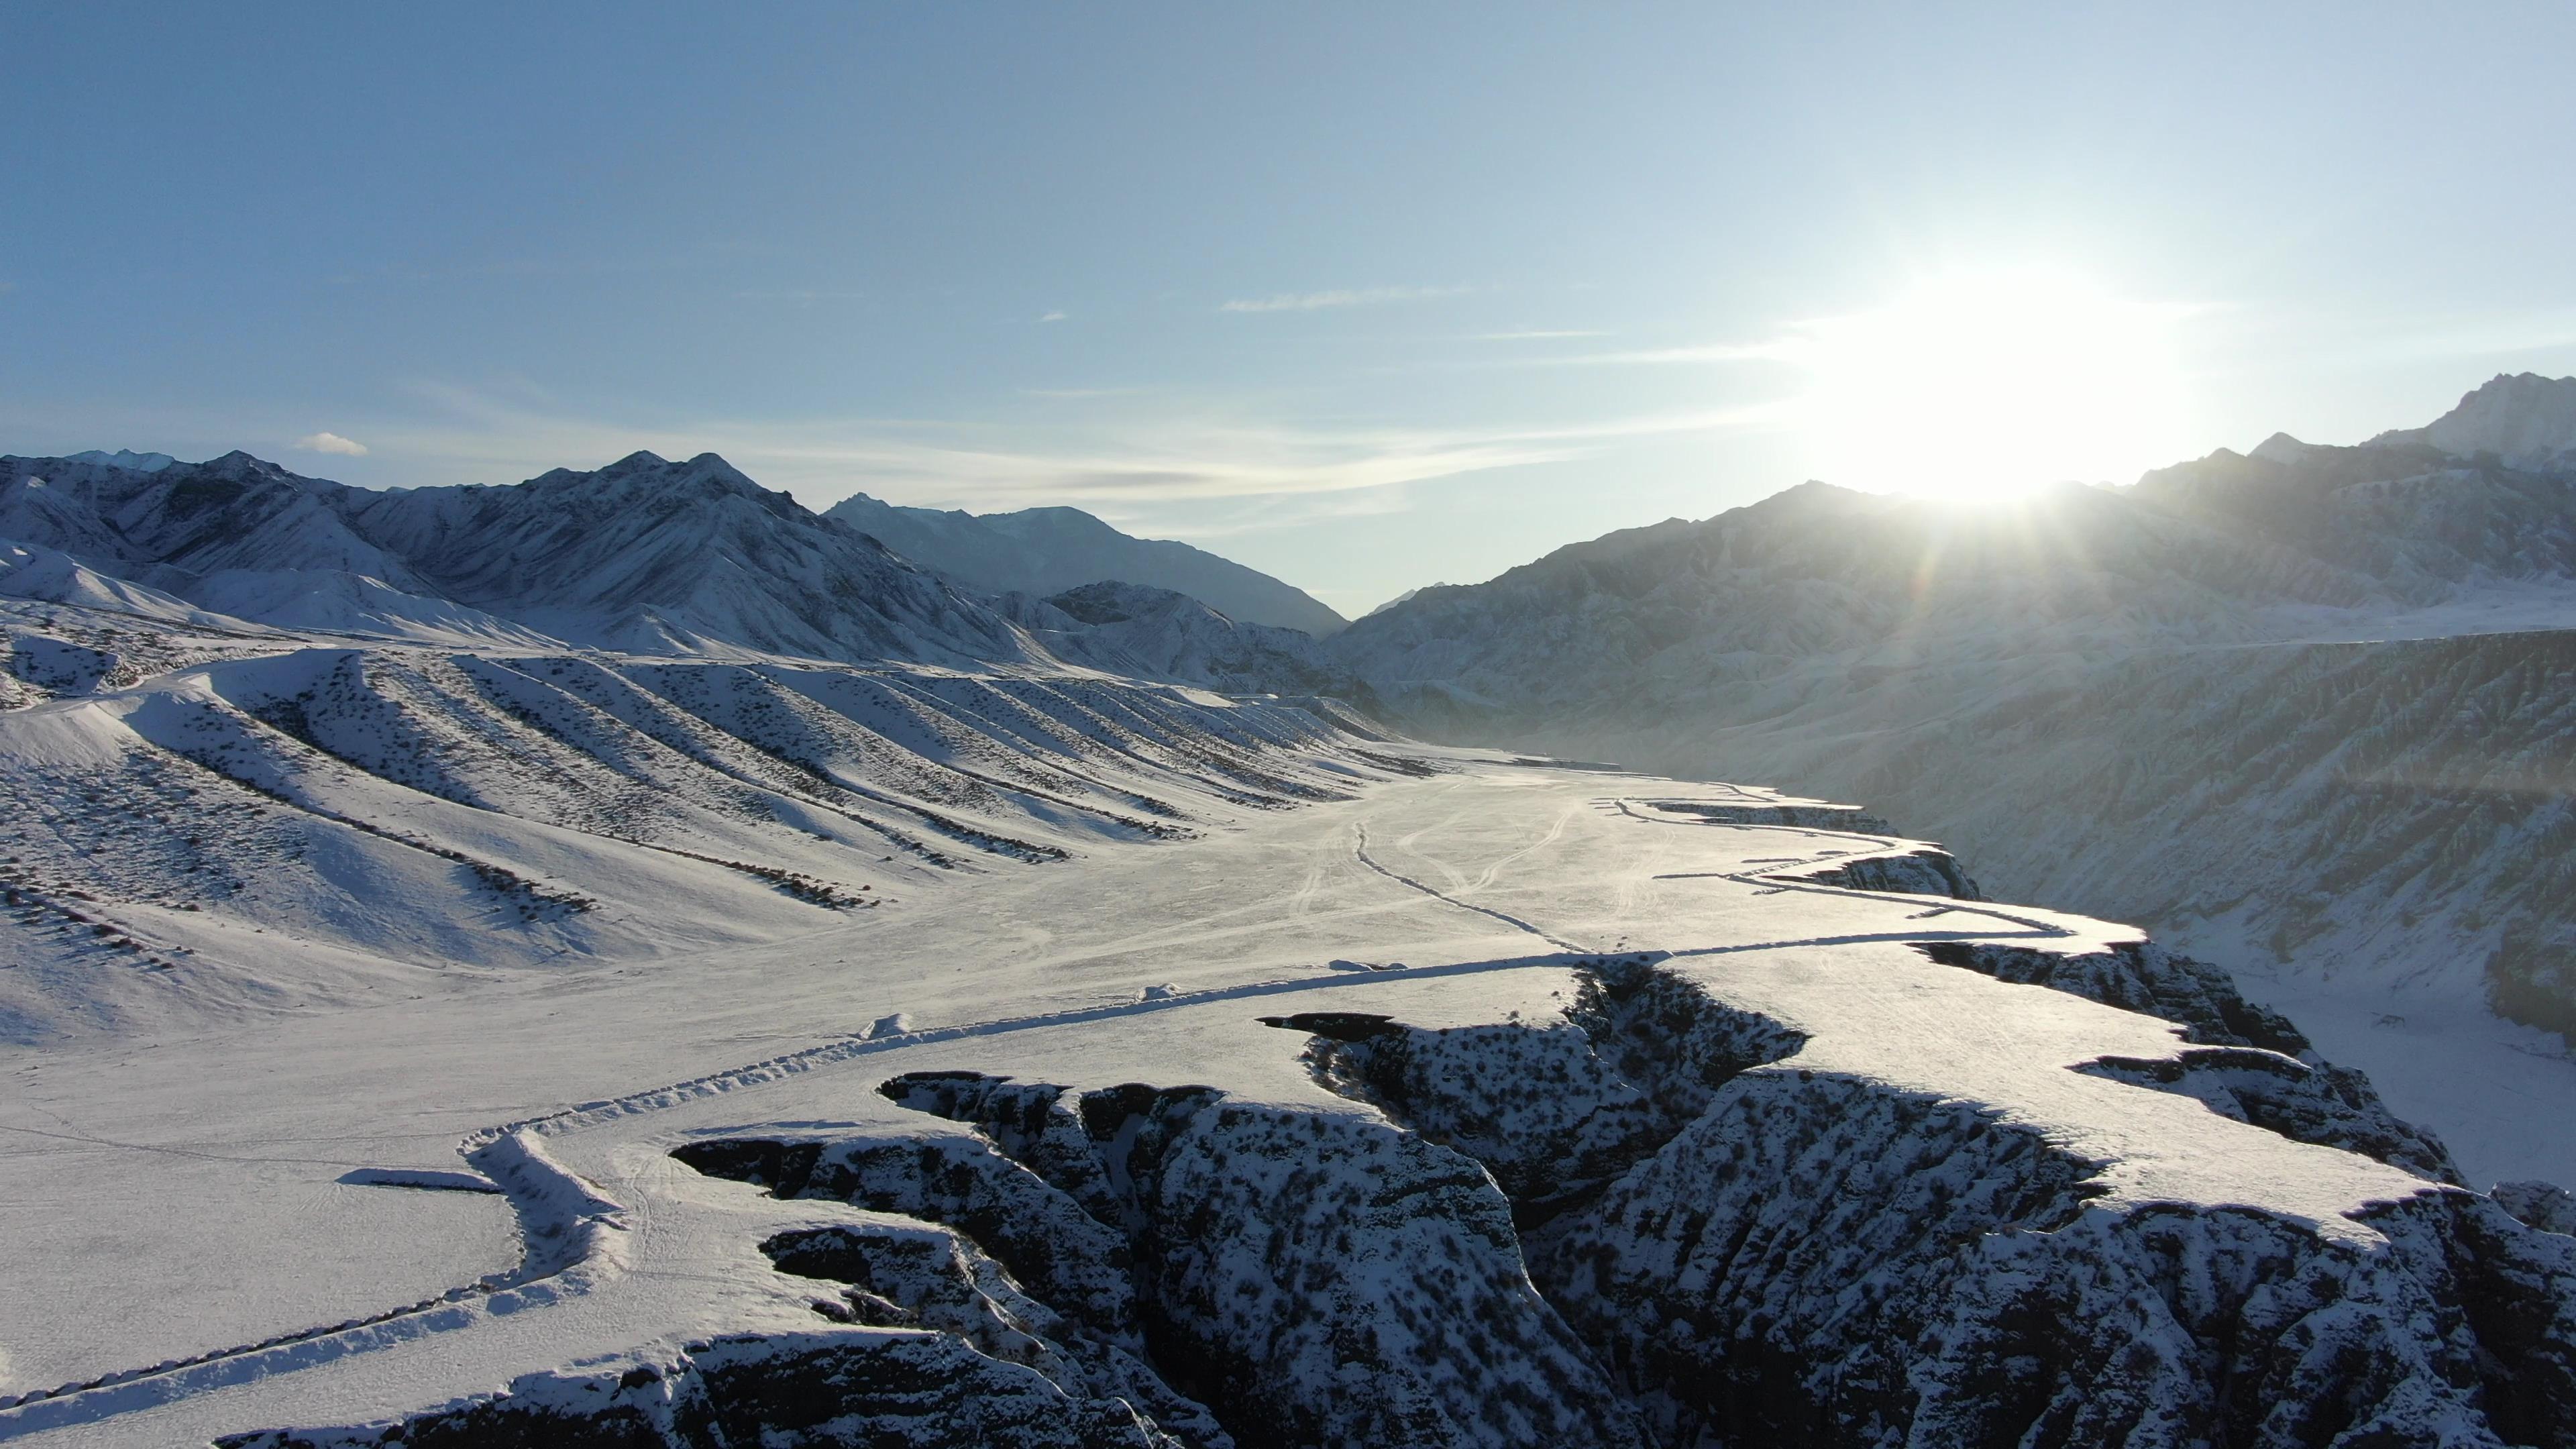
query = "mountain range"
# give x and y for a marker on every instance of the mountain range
(645, 555)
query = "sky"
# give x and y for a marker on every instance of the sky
(1364, 296)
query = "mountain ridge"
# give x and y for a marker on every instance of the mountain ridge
(644, 553)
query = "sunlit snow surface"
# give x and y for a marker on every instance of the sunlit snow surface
(356, 999)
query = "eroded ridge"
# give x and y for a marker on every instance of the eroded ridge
(1315, 1277)
(1814, 1258)
(1318, 1277)
(1641, 1223)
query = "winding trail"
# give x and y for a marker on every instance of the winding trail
(1359, 849)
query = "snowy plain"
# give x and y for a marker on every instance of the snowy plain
(138, 1167)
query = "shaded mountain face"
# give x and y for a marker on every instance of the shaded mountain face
(1820, 570)
(1047, 550)
(645, 554)
(2230, 548)
(2416, 520)
(1150, 633)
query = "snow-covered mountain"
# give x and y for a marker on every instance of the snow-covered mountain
(2305, 709)
(644, 554)
(2525, 419)
(1048, 550)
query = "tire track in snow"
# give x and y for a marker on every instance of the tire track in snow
(569, 1228)
(1359, 848)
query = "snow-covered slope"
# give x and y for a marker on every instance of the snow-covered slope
(40, 574)
(331, 601)
(381, 806)
(1048, 550)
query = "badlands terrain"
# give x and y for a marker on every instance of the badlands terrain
(625, 960)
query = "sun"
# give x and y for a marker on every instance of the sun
(1987, 385)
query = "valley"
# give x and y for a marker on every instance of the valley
(624, 959)
(1623, 951)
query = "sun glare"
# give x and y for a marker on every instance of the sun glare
(1988, 385)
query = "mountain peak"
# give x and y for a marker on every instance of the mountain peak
(2280, 448)
(238, 465)
(2525, 419)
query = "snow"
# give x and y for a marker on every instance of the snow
(333, 601)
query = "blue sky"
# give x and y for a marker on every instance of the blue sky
(1366, 296)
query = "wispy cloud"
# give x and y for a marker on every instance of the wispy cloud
(331, 443)
(804, 294)
(1535, 335)
(1359, 297)
(1052, 317)
(1142, 463)
(1779, 350)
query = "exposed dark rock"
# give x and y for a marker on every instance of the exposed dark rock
(2543, 1205)
(1917, 873)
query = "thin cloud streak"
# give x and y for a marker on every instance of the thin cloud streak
(1143, 464)
(1786, 349)
(1361, 297)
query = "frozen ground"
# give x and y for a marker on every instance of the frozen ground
(190, 1194)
